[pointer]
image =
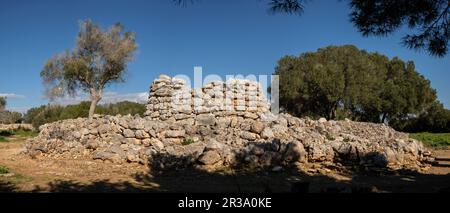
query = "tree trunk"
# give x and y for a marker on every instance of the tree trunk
(96, 96)
(384, 117)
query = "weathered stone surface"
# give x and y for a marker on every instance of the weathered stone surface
(296, 152)
(141, 134)
(212, 144)
(15, 127)
(128, 133)
(157, 144)
(249, 136)
(209, 157)
(206, 120)
(267, 133)
(211, 134)
(175, 133)
(257, 127)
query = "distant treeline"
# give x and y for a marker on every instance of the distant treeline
(51, 113)
(435, 119)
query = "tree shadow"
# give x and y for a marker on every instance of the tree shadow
(6, 186)
(185, 175)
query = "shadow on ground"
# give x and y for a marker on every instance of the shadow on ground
(263, 180)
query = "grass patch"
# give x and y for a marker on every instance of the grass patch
(24, 133)
(330, 137)
(3, 139)
(434, 140)
(187, 142)
(4, 170)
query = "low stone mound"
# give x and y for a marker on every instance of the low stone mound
(215, 138)
(15, 127)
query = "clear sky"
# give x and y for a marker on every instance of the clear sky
(224, 37)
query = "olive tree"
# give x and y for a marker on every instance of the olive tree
(99, 59)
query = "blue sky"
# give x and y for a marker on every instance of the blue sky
(224, 37)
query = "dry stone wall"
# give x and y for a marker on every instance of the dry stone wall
(207, 135)
(14, 127)
(172, 98)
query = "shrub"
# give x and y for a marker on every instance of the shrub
(4, 170)
(187, 142)
(6, 133)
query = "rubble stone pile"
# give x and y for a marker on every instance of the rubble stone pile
(185, 134)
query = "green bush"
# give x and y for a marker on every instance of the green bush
(6, 133)
(51, 113)
(187, 142)
(4, 170)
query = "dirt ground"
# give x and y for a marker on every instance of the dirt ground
(81, 175)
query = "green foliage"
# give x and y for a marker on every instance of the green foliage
(99, 59)
(20, 132)
(4, 170)
(24, 133)
(330, 137)
(435, 140)
(434, 119)
(51, 113)
(3, 139)
(6, 133)
(427, 20)
(123, 108)
(187, 141)
(342, 81)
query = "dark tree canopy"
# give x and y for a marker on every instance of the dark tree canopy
(428, 20)
(337, 82)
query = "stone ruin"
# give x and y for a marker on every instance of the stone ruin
(172, 98)
(225, 124)
(15, 127)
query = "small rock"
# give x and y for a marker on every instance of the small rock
(267, 133)
(128, 133)
(249, 136)
(296, 152)
(141, 134)
(213, 145)
(175, 133)
(209, 157)
(257, 127)
(322, 120)
(205, 120)
(157, 144)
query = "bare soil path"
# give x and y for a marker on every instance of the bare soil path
(60, 175)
